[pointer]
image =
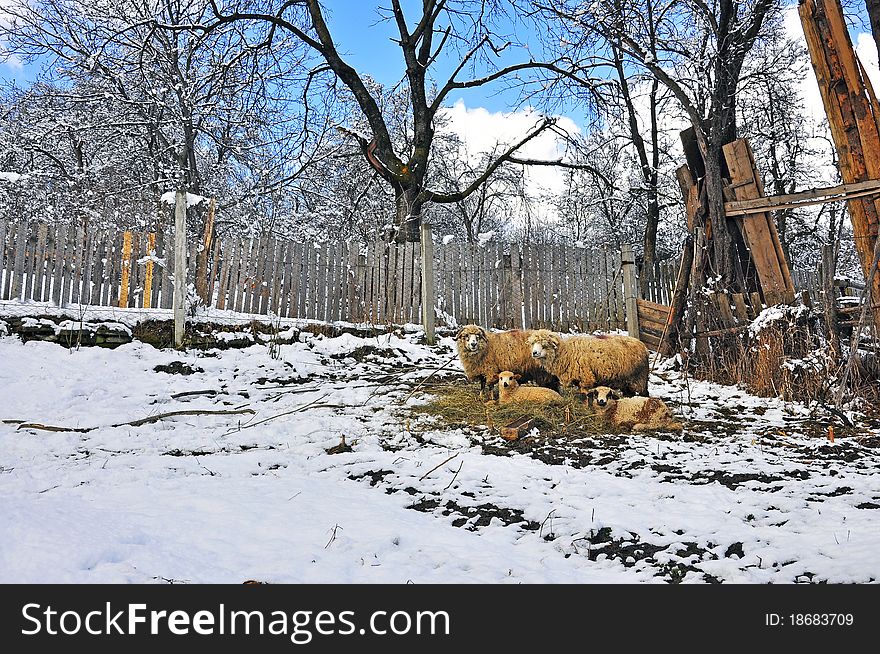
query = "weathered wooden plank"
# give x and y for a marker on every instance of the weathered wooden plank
(282, 289)
(653, 342)
(267, 281)
(757, 306)
(115, 271)
(138, 252)
(756, 228)
(135, 280)
(214, 275)
(479, 277)
(29, 263)
(321, 286)
(403, 294)
(252, 279)
(651, 323)
(3, 273)
(226, 248)
(386, 281)
(76, 265)
(100, 271)
(723, 302)
(18, 256)
(241, 272)
(40, 262)
(156, 248)
(237, 273)
(167, 292)
(310, 288)
(494, 281)
(359, 298)
(653, 313)
(126, 269)
(739, 303)
(277, 276)
(340, 260)
(407, 295)
(261, 291)
(338, 264)
(516, 295)
(293, 305)
(87, 265)
(370, 297)
(526, 287)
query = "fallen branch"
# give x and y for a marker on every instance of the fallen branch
(454, 477)
(137, 423)
(422, 383)
(177, 396)
(313, 404)
(438, 466)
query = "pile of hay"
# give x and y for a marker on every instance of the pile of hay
(459, 405)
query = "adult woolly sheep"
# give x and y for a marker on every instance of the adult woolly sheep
(617, 361)
(484, 355)
(633, 413)
(509, 390)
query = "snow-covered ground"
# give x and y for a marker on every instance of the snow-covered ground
(752, 491)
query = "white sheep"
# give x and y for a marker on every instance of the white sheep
(509, 391)
(484, 355)
(587, 361)
(633, 413)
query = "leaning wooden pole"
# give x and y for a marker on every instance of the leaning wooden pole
(854, 119)
(179, 301)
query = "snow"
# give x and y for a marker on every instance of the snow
(225, 498)
(485, 237)
(170, 197)
(448, 239)
(12, 178)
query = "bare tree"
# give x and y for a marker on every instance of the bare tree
(697, 50)
(423, 39)
(208, 115)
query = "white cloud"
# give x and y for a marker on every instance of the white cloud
(11, 61)
(482, 130)
(866, 51)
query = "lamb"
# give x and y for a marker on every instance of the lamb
(587, 361)
(484, 355)
(509, 390)
(633, 413)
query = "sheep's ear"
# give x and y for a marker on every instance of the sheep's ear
(616, 394)
(517, 376)
(592, 392)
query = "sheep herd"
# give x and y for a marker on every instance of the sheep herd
(611, 371)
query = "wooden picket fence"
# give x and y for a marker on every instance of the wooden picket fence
(556, 286)
(522, 286)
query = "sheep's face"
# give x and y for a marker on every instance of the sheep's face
(602, 395)
(507, 380)
(471, 339)
(544, 345)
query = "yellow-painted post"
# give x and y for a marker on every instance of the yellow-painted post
(148, 273)
(126, 269)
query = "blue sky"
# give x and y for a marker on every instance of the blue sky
(365, 40)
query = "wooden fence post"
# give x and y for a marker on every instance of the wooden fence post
(179, 300)
(126, 269)
(148, 271)
(829, 296)
(630, 289)
(202, 284)
(429, 290)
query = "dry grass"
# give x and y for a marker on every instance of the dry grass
(459, 405)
